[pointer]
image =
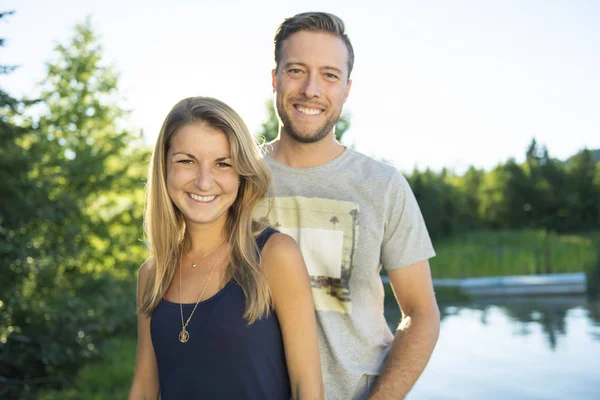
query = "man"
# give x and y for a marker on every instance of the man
(351, 215)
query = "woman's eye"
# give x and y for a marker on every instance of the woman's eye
(184, 162)
(223, 165)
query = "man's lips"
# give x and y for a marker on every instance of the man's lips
(308, 110)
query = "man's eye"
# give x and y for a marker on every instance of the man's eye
(331, 76)
(294, 71)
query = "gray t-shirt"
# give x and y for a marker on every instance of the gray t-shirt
(350, 217)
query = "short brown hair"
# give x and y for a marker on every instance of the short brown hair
(313, 22)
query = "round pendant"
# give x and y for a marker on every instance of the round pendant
(184, 336)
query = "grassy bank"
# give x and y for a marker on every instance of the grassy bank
(505, 253)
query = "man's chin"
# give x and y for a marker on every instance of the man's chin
(307, 137)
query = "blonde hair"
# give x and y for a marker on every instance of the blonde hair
(164, 224)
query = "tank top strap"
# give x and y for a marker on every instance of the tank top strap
(264, 236)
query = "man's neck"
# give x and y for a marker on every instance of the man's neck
(295, 154)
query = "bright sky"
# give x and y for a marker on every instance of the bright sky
(436, 83)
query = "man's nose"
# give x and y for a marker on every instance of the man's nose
(312, 86)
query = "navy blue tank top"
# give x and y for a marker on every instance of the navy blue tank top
(225, 357)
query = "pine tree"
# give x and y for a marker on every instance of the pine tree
(77, 190)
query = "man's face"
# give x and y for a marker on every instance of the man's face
(311, 84)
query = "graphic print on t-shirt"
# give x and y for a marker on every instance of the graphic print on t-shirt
(327, 232)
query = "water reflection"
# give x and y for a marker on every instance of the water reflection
(514, 348)
(549, 312)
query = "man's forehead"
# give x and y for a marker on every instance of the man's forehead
(315, 49)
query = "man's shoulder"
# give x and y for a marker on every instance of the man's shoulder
(362, 157)
(371, 165)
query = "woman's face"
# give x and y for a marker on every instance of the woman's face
(201, 179)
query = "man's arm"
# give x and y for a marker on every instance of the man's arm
(417, 333)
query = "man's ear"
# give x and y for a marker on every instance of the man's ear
(348, 90)
(274, 79)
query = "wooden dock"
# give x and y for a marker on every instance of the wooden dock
(525, 285)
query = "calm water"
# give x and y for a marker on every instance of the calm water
(536, 348)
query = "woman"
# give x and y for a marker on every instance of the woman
(225, 306)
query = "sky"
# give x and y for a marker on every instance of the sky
(435, 83)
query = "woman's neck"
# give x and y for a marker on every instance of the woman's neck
(200, 240)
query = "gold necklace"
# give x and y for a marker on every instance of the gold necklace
(184, 335)
(194, 264)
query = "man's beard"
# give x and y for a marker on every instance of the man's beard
(317, 135)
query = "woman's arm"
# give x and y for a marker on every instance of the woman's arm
(145, 377)
(292, 300)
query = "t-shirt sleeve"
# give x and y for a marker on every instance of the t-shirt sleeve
(405, 237)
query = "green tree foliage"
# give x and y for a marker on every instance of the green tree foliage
(469, 185)
(583, 198)
(270, 128)
(541, 193)
(70, 226)
(96, 169)
(440, 202)
(5, 69)
(546, 196)
(16, 207)
(504, 197)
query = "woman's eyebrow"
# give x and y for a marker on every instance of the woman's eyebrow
(183, 153)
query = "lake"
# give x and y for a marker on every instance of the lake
(528, 348)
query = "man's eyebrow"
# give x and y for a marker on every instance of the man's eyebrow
(326, 67)
(339, 71)
(294, 64)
